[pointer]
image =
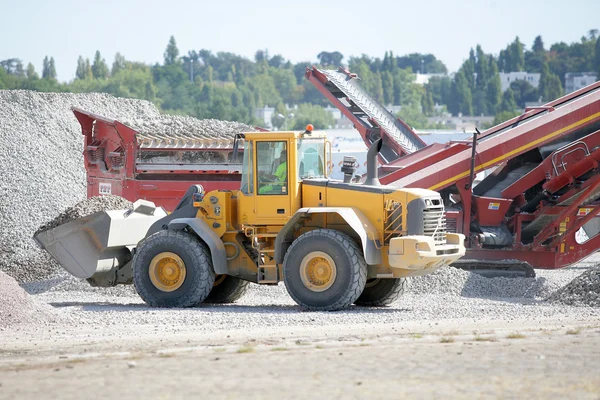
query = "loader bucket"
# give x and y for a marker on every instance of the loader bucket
(99, 242)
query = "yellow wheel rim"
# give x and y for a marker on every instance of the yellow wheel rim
(318, 271)
(219, 279)
(167, 271)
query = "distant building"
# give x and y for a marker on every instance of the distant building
(577, 80)
(423, 79)
(264, 115)
(506, 78)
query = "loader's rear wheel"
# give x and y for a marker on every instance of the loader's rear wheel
(324, 270)
(381, 292)
(173, 269)
(227, 289)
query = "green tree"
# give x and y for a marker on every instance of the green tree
(524, 92)
(31, 74)
(512, 59)
(505, 116)
(508, 101)
(81, 71)
(480, 103)
(440, 88)
(52, 69)
(461, 102)
(99, 67)
(427, 104)
(535, 59)
(118, 64)
(387, 83)
(311, 114)
(327, 58)
(88, 69)
(46, 67)
(538, 45)
(481, 69)
(417, 62)
(285, 83)
(172, 52)
(413, 116)
(494, 87)
(550, 87)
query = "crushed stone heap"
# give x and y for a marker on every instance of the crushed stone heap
(86, 207)
(458, 282)
(584, 290)
(17, 307)
(167, 126)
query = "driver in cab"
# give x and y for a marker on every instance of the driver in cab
(277, 183)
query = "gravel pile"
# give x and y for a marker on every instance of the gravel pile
(170, 126)
(17, 307)
(581, 291)
(457, 282)
(41, 163)
(86, 207)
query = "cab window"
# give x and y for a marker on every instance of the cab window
(310, 158)
(272, 167)
(248, 172)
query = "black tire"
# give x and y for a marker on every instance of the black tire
(349, 265)
(199, 277)
(227, 289)
(381, 292)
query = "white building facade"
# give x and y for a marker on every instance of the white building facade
(577, 80)
(506, 78)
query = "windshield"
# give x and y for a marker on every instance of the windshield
(311, 156)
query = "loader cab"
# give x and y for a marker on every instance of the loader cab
(274, 165)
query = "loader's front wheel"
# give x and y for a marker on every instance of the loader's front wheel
(381, 292)
(324, 270)
(227, 289)
(173, 269)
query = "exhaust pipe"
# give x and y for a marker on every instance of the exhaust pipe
(372, 163)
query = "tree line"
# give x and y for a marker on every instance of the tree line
(227, 86)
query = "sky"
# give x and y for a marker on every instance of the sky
(140, 30)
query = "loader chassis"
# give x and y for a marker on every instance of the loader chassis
(332, 243)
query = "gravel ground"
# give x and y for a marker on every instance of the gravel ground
(428, 344)
(396, 364)
(451, 295)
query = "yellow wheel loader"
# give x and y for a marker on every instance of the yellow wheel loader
(333, 243)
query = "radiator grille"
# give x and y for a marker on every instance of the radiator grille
(434, 224)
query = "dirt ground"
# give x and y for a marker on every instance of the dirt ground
(446, 359)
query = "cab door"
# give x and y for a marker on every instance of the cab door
(272, 196)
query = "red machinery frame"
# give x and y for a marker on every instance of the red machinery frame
(112, 153)
(568, 178)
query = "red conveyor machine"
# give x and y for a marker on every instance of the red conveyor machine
(538, 202)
